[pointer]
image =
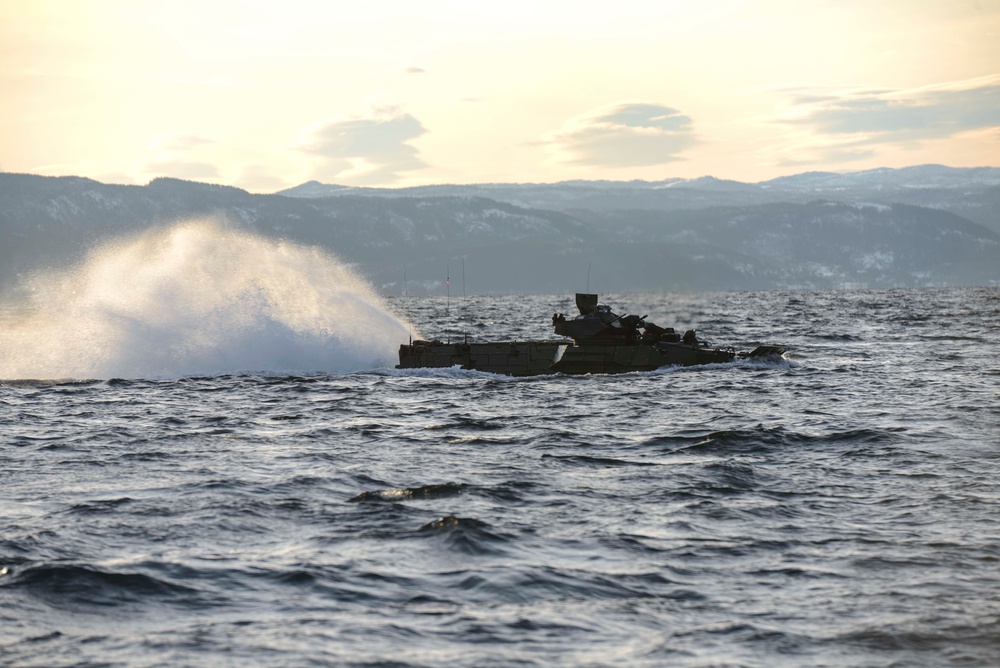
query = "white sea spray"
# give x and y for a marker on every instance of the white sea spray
(197, 299)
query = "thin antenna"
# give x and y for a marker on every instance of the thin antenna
(406, 306)
(465, 305)
(588, 276)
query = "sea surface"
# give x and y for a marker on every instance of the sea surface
(838, 507)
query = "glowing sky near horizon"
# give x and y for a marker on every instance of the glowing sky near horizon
(267, 95)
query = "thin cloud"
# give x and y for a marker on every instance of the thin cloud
(898, 116)
(178, 141)
(624, 134)
(367, 148)
(260, 178)
(836, 154)
(414, 70)
(180, 155)
(181, 169)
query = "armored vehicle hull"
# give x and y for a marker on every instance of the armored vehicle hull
(533, 358)
(511, 358)
(598, 342)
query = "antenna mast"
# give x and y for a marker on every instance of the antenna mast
(465, 303)
(406, 306)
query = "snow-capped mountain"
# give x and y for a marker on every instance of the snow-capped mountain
(973, 193)
(808, 231)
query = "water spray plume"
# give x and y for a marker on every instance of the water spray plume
(197, 299)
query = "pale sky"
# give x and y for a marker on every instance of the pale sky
(267, 95)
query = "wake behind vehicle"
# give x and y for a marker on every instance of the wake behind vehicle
(597, 341)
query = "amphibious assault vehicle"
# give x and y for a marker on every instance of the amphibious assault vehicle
(598, 341)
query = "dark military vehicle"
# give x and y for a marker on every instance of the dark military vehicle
(598, 341)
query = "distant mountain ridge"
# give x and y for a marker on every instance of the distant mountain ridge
(972, 193)
(919, 226)
(918, 176)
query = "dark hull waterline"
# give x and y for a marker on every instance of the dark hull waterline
(599, 342)
(533, 358)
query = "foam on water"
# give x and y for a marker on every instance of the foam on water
(197, 299)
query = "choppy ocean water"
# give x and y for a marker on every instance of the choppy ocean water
(837, 508)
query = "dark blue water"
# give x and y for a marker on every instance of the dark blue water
(837, 508)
